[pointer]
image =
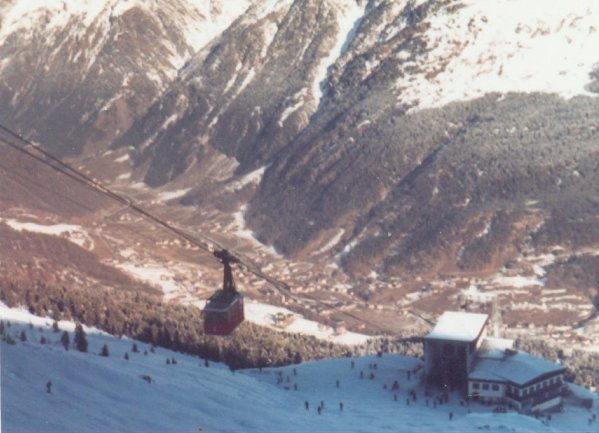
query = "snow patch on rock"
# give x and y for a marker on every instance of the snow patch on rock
(349, 13)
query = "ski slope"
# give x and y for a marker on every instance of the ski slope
(96, 394)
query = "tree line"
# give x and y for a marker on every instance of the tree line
(147, 318)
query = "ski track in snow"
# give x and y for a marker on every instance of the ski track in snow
(100, 394)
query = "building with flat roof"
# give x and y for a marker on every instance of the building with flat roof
(458, 355)
(449, 349)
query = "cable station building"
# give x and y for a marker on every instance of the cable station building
(459, 355)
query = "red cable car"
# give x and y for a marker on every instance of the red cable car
(224, 310)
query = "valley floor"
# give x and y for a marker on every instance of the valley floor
(91, 393)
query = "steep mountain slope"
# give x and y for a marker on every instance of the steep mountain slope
(368, 155)
(250, 92)
(78, 73)
(409, 144)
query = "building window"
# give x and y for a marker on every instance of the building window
(476, 385)
(486, 386)
(495, 387)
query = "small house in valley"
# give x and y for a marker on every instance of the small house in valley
(460, 356)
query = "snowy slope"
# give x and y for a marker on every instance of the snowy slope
(201, 20)
(96, 394)
(505, 46)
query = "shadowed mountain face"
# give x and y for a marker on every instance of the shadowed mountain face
(408, 138)
(79, 73)
(464, 186)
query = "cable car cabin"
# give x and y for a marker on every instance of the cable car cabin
(223, 313)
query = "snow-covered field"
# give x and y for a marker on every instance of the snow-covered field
(91, 393)
(72, 232)
(265, 315)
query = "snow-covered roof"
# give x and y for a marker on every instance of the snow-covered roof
(460, 326)
(510, 366)
(490, 344)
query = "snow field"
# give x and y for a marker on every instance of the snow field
(71, 232)
(506, 46)
(96, 394)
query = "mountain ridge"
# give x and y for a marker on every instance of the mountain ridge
(398, 145)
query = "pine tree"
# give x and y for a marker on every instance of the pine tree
(23, 336)
(126, 356)
(80, 338)
(1, 327)
(134, 348)
(65, 340)
(104, 351)
(55, 327)
(43, 340)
